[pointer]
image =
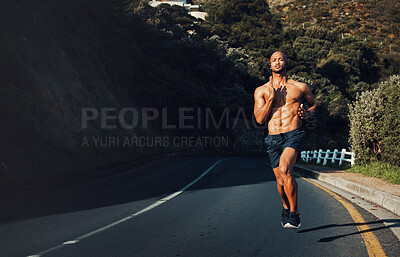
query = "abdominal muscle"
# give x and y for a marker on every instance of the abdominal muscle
(284, 119)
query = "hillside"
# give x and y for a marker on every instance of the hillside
(370, 20)
(321, 50)
(60, 58)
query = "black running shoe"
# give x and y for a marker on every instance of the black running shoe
(293, 221)
(285, 216)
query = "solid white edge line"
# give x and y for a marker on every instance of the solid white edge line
(148, 208)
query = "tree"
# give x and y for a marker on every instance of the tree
(244, 23)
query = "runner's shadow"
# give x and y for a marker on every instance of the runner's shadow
(332, 238)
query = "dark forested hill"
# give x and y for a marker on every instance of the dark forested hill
(58, 58)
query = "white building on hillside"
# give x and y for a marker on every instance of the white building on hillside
(192, 9)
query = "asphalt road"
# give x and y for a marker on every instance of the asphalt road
(234, 210)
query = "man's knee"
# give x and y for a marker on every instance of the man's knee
(284, 171)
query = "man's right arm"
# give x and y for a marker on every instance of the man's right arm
(263, 99)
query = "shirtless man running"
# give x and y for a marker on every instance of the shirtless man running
(279, 103)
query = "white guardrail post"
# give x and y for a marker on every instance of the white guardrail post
(319, 156)
(352, 159)
(334, 155)
(342, 156)
(326, 157)
(315, 155)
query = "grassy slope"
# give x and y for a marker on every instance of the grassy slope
(385, 171)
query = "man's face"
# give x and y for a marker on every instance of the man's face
(278, 62)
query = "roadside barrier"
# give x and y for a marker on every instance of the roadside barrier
(327, 155)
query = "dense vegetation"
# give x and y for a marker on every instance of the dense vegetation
(375, 21)
(336, 66)
(375, 123)
(195, 68)
(341, 49)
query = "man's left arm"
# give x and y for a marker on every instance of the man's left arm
(310, 100)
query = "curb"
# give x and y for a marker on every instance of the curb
(383, 199)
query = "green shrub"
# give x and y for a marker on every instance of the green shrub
(374, 123)
(364, 115)
(389, 125)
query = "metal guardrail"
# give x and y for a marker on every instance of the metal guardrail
(327, 155)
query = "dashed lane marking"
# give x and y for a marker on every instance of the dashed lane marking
(148, 208)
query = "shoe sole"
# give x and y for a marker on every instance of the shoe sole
(288, 225)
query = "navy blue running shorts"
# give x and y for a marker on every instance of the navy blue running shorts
(277, 143)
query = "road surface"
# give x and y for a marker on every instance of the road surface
(232, 210)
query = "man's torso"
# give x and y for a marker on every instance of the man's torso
(284, 113)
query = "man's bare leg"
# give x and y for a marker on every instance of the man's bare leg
(286, 164)
(281, 190)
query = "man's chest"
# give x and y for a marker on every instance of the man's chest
(287, 95)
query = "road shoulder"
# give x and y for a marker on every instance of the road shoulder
(383, 205)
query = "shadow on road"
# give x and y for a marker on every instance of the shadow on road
(329, 239)
(155, 180)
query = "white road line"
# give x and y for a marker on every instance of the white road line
(148, 208)
(70, 242)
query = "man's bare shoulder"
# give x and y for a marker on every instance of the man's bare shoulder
(301, 85)
(261, 89)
